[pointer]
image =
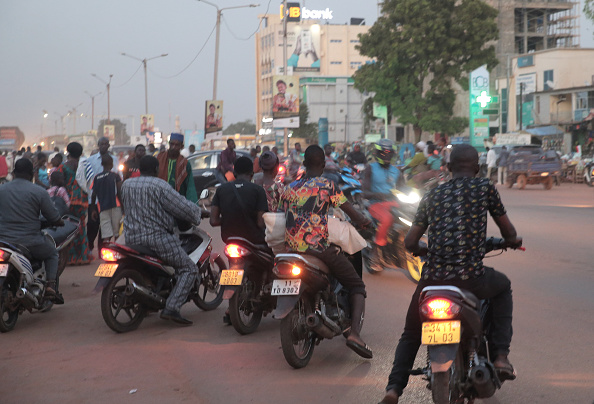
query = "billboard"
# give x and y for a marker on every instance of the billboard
(285, 103)
(213, 121)
(147, 124)
(305, 42)
(109, 132)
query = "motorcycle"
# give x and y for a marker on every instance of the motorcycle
(23, 279)
(248, 283)
(394, 254)
(311, 305)
(137, 282)
(455, 329)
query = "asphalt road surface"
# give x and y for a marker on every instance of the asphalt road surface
(70, 356)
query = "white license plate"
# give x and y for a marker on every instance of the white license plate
(106, 270)
(4, 269)
(282, 287)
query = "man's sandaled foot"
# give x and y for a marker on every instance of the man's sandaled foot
(362, 350)
(504, 369)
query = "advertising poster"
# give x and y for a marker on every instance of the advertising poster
(213, 121)
(285, 103)
(305, 42)
(147, 124)
(109, 132)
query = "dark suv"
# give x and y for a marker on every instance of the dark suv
(204, 164)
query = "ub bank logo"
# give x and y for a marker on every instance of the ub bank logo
(308, 14)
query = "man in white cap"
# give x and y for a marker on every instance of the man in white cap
(417, 164)
(176, 170)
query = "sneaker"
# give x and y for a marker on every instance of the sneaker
(175, 316)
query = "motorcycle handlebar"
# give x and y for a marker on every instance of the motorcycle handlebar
(495, 243)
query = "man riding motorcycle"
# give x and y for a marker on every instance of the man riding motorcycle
(456, 215)
(379, 178)
(21, 201)
(151, 206)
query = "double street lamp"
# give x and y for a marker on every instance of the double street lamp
(93, 107)
(108, 84)
(216, 66)
(145, 79)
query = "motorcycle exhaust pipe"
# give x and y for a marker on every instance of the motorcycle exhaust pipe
(482, 381)
(315, 324)
(145, 296)
(27, 298)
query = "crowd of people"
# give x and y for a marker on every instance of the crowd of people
(156, 192)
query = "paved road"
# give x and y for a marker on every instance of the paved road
(70, 356)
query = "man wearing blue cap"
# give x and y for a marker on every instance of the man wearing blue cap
(176, 170)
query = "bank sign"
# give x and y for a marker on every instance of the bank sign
(295, 13)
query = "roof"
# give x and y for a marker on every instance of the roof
(545, 131)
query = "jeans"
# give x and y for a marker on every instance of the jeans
(44, 251)
(492, 285)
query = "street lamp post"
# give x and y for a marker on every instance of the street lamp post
(145, 79)
(73, 111)
(93, 107)
(108, 84)
(216, 65)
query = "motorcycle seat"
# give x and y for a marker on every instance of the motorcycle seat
(21, 249)
(143, 250)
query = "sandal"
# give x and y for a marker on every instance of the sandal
(362, 350)
(506, 372)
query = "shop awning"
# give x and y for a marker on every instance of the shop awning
(545, 131)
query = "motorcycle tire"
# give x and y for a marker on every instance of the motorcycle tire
(209, 293)
(245, 314)
(368, 263)
(521, 181)
(548, 183)
(8, 318)
(296, 340)
(120, 312)
(445, 385)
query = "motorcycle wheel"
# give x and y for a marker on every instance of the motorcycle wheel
(8, 318)
(297, 341)
(209, 293)
(445, 386)
(548, 184)
(368, 262)
(245, 314)
(120, 312)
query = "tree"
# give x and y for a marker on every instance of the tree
(306, 130)
(589, 9)
(246, 127)
(120, 134)
(421, 48)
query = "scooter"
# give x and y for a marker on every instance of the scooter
(589, 174)
(455, 329)
(248, 283)
(137, 282)
(394, 254)
(23, 279)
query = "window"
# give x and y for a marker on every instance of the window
(335, 63)
(201, 162)
(548, 80)
(354, 41)
(582, 100)
(335, 40)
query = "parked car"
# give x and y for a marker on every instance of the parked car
(204, 164)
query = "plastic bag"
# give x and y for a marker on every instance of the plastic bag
(343, 234)
(275, 231)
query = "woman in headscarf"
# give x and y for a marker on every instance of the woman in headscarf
(78, 254)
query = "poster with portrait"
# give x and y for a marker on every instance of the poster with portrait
(109, 132)
(285, 102)
(213, 121)
(304, 41)
(147, 124)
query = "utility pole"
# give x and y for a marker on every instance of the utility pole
(108, 84)
(145, 76)
(93, 107)
(285, 17)
(521, 104)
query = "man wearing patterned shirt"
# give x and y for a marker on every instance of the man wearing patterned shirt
(306, 203)
(456, 215)
(151, 206)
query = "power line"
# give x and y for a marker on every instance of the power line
(131, 77)
(253, 33)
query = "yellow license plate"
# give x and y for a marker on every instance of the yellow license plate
(106, 270)
(231, 277)
(441, 332)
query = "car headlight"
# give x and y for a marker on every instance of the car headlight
(412, 197)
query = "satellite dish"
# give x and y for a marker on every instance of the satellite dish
(550, 84)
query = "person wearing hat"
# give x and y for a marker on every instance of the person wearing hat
(176, 170)
(269, 164)
(418, 163)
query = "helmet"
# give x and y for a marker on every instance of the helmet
(384, 151)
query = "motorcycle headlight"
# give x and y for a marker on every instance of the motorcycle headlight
(412, 197)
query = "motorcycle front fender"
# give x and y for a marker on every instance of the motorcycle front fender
(442, 356)
(284, 305)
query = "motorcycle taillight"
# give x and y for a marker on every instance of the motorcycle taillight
(439, 309)
(235, 251)
(4, 256)
(286, 270)
(110, 255)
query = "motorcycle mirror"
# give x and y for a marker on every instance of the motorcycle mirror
(204, 194)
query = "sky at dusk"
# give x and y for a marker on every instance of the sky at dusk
(50, 48)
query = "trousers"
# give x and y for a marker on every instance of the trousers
(43, 251)
(382, 212)
(492, 285)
